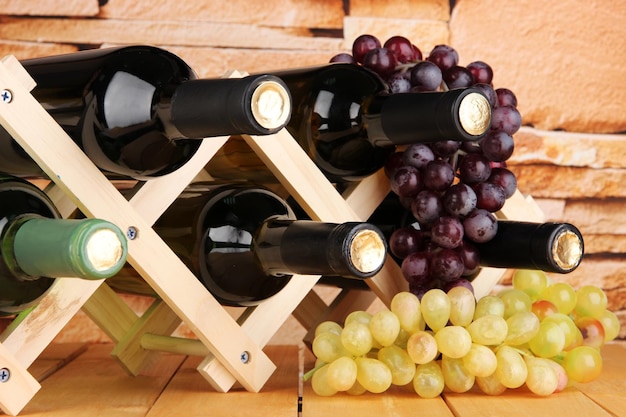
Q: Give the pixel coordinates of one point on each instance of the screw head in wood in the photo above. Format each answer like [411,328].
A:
[5,374]
[6,96]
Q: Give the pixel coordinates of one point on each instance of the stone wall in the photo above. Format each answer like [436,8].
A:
[564,60]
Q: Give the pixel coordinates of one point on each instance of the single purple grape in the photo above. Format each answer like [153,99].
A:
[505,179]
[402,48]
[470,256]
[404,241]
[426,207]
[399,82]
[506,97]
[445,148]
[438,175]
[444,56]
[418,155]
[459,200]
[447,232]
[407,181]
[343,57]
[506,119]
[446,265]
[497,146]
[461,282]
[382,61]
[489,196]
[362,45]
[480,226]
[474,168]
[481,71]
[458,77]
[426,76]
[415,268]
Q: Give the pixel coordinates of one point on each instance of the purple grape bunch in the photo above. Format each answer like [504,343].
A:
[453,189]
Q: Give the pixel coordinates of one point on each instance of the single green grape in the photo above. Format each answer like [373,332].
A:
[549,340]
[489,305]
[531,281]
[453,341]
[480,361]
[591,301]
[562,295]
[511,369]
[428,380]
[356,338]
[341,373]
[570,331]
[611,325]
[489,330]
[319,382]
[327,347]
[422,347]
[515,301]
[373,375]
[522,327]
[385,327]
[462,305]
[435,307]
[542,378]
[358,316]
[455,375]
[583,364]
[399,363]
[490,384]
[328,326]
[406,306]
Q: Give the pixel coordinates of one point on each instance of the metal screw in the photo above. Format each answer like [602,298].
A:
[5,374]
[245,357]
[6,95]
[132,233]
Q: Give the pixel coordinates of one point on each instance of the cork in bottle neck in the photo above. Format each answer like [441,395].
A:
[475,114]
[367,251]
[567,250]
[271,105]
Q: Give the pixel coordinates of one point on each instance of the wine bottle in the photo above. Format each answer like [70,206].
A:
[348,123]
[245,244]
[138,111]
[37,246]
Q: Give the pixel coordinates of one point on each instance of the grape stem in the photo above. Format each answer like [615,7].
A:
[308,375]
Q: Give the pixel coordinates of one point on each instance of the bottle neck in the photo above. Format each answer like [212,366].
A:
[551,247]
[256,105]
[34,247]
[461,115]
[351,250]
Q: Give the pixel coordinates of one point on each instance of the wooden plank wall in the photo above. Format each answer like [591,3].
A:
[564,61]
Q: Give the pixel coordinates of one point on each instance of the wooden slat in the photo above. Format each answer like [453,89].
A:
[47,8]
[203,34]
[300,13]
[185,396]
[55,357]
[18,385]
[94,384]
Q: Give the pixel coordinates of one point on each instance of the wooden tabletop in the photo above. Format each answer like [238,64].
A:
[84,380]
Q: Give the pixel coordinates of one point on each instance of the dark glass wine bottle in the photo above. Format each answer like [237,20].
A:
[37,246]
[244,243]
[348,123]
[556,247]
[138,111]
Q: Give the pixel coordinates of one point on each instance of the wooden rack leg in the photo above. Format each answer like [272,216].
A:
[17,386]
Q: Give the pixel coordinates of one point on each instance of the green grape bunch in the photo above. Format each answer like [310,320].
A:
[538,334]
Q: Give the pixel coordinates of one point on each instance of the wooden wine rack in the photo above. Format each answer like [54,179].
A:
[232,348]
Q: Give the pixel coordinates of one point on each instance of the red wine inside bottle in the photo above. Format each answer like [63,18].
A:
[245,244]
[37,246]
[138,111]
